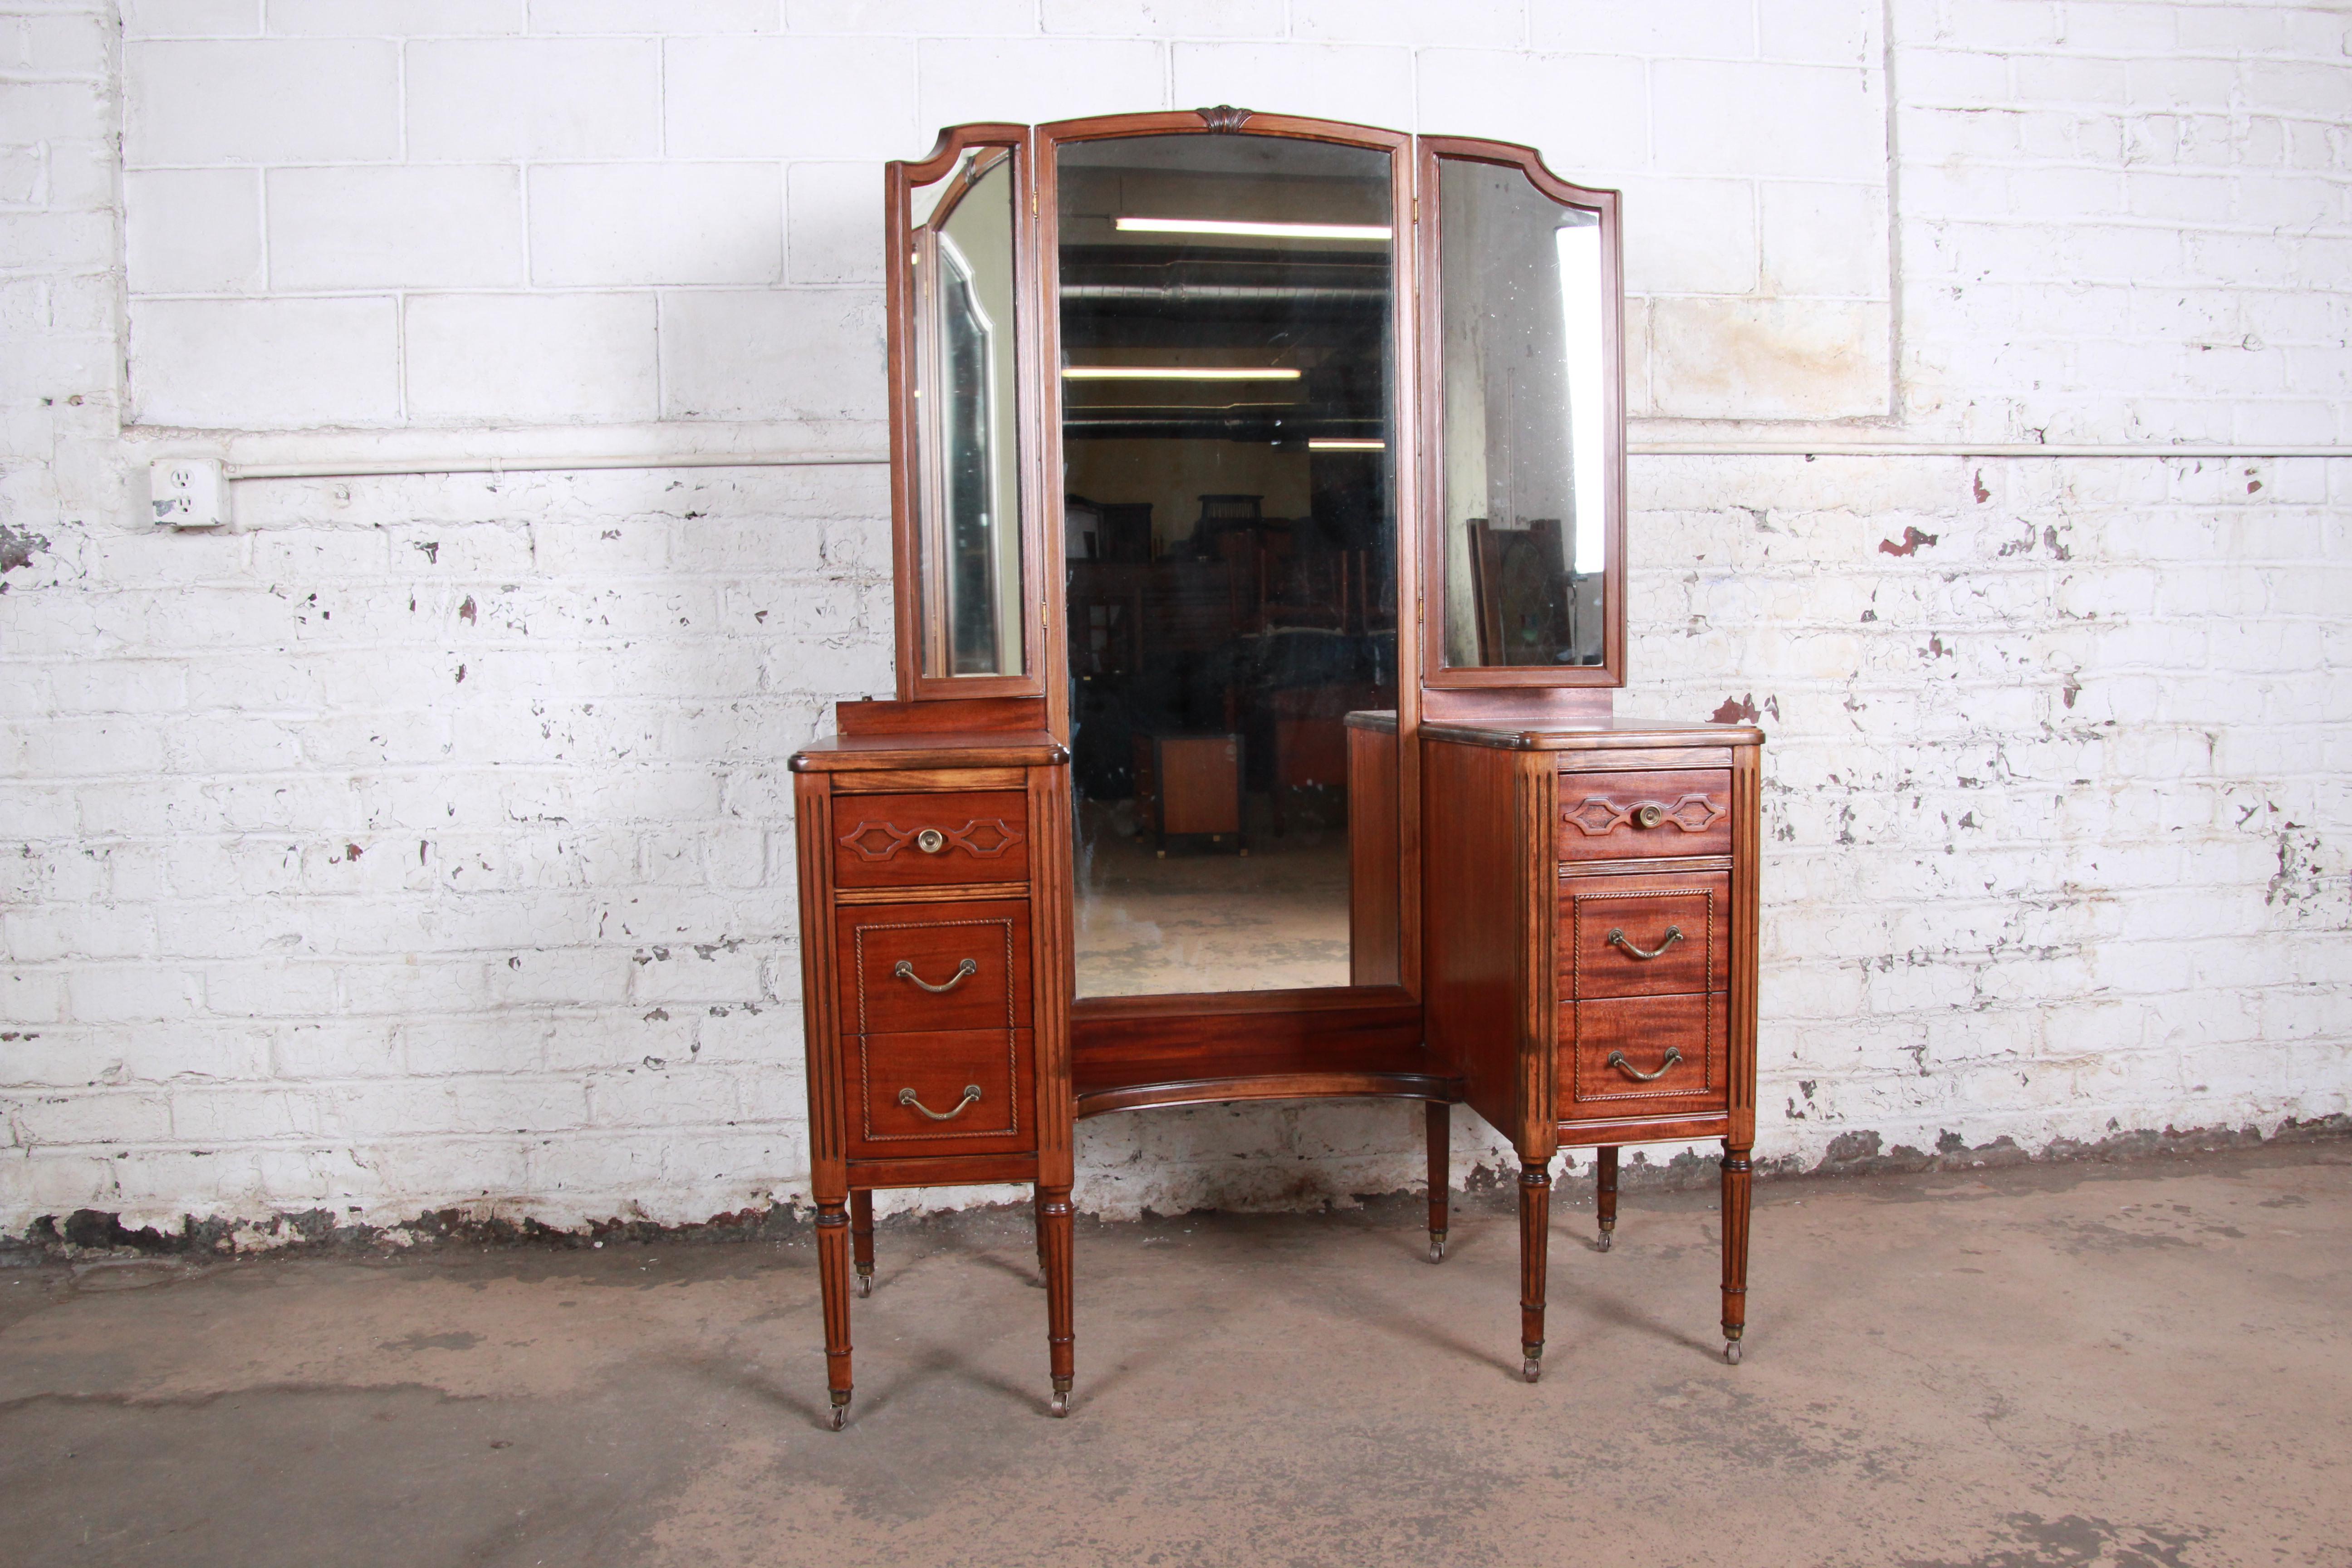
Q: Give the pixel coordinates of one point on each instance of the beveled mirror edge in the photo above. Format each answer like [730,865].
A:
[1607,204]
[908,608]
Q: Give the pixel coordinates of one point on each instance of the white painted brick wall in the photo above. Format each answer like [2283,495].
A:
[426,841]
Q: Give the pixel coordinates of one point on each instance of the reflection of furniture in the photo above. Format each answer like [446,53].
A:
[1221,515]
[1106,531]
[1310,740]
[1191,786]
[934,965]
[1519,581]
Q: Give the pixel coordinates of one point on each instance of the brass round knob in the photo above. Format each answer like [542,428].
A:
[1650,815]
[930,841]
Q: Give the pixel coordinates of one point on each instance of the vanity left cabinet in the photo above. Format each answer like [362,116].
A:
[935,970]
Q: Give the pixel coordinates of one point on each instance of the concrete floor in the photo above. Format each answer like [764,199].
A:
[2135,1366]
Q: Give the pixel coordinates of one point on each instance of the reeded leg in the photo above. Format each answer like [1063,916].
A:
[832,1278]
[861,1237]
[1605,1192]
[1053,1232]
[1441,1124]
[1535,1233]
[1736,1180]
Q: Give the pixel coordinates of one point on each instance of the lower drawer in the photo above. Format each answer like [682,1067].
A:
[951,1092]
[1644,1055]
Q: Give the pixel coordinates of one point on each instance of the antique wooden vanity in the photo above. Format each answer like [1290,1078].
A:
[1258,490]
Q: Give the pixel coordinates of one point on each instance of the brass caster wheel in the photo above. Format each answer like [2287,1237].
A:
[840,1417]
[1531,1369]
[1059,1405]
[1437,1249]
[1731,1351]
[864,1286]
[1607,1239]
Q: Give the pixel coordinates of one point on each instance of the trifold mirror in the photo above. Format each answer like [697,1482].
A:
[1252,430]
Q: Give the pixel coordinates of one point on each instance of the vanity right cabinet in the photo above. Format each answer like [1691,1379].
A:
[1590,955]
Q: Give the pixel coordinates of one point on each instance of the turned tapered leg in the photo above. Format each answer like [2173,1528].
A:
[1441,1123]
[1605,1192]
[861,1237]
[1054,1233]
[1535,1233]
[832,1278]
[1736,1180]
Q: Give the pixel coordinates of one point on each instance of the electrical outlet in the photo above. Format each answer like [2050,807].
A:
[188,492]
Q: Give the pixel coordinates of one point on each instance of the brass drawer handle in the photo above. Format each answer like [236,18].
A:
[1617,1059]
[930,841]
[1650,815]
[970,1098]
[1617,938]
[904,970]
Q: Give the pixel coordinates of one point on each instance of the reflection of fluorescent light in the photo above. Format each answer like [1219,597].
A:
[1343,443]
[1245,226]
[1174,373]
[1583,305]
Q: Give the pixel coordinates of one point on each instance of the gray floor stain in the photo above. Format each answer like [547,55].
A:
[1297,1389]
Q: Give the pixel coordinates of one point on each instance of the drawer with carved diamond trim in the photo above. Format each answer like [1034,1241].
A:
[915,840]
[1623,817]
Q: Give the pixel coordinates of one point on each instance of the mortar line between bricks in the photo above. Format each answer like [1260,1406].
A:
[350,468]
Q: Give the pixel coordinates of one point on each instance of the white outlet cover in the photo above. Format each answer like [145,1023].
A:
[188,492]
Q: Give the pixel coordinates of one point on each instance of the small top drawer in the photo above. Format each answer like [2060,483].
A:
[1628,816]
[912,840]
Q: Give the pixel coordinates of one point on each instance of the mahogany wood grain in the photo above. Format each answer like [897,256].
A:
[941,1068]
[946,893]
[1648,759]
[1055,1256]
[889,781]
[967,966]
[1679,1039]
[1590,739]
[1663,864]
[832,1278]
[1602,1132]
[1054,976]
[1373,885]
[1528,707]
[861,1236]
[959,716]
[1605,1192]
[1747,848]
[1609,923]
[1474,950]
[1736,1196]
[1601,814]
[944,1170]
[982,836]
[928,751]
[1535,1245]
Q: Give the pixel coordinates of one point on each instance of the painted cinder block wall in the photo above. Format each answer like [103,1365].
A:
[423,841]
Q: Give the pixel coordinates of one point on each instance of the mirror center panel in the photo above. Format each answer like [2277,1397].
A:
[1228,388]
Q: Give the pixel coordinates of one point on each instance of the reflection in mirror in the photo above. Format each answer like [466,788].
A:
[1522,320]
[967,495]
[1230,542]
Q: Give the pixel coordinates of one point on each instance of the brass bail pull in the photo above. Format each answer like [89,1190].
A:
[904,970]
[1617,938]
[1617,1059]
[970,1098]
